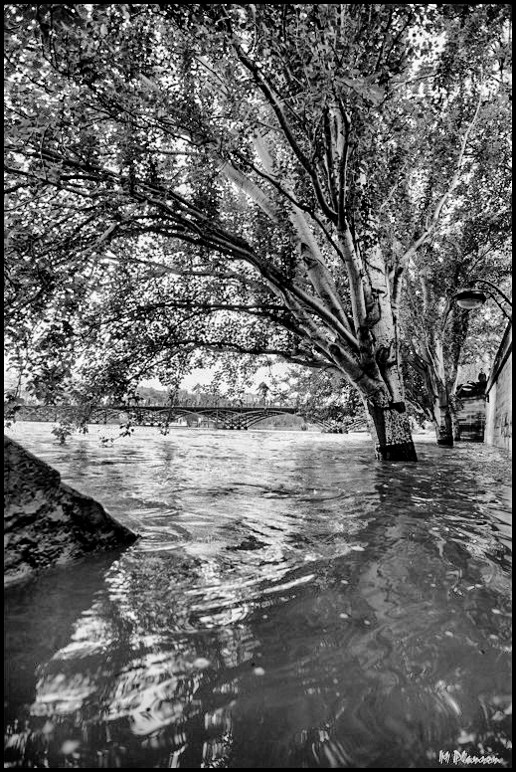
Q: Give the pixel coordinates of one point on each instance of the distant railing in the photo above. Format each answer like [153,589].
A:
[224,417]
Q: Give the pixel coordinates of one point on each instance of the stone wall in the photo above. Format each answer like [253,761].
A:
[45,521]
[498,430]
[471,419]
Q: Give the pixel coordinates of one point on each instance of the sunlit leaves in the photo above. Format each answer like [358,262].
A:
[156,153]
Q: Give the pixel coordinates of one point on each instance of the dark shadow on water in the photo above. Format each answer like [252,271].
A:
[39,614]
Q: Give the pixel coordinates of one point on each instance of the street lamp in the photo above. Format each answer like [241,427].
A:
[471,297]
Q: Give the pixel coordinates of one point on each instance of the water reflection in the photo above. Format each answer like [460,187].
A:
[288,605]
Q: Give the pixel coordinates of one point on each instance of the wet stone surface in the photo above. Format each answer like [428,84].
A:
[47,522]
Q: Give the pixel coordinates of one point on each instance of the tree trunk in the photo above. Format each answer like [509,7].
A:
[381,356]
[455,426]
[391,432]
[445,431]
[444,426]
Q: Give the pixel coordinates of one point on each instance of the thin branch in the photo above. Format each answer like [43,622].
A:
[434,217]
[273,101]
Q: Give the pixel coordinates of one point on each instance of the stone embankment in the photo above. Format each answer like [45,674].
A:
[46,522]
[499,397]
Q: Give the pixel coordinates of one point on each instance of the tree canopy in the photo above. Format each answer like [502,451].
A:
[185,179]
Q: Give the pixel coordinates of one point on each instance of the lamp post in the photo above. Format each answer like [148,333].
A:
[471,297]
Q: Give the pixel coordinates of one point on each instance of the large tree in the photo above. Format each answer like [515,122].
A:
[188,177]
[472,240]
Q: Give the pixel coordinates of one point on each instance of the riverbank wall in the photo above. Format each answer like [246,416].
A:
[498,395]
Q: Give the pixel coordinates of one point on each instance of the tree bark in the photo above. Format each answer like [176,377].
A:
[455,426]
[390,424]
[443,422]
[445,431]
[390,427]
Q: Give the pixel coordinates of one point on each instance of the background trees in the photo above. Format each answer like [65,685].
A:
[439,336]
[248,178]
[472,239]
[324,396]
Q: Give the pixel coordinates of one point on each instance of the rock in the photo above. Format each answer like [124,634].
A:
[45,521]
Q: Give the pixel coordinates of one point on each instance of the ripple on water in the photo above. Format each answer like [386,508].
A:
[290,603]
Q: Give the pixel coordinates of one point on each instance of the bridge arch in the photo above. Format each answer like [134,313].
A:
[253,420]
[236,417]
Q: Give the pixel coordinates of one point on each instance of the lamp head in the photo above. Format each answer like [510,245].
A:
[470,298]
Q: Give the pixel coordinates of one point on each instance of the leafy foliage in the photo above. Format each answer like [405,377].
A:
[325,397]
[186,180]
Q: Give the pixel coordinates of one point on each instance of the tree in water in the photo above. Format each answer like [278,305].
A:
[440,336]
[219,177]
[472,240]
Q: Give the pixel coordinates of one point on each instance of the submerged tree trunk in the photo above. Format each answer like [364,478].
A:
[436,360]
[455,425]
[445,431]
[443,423]
[391,431]
[391,428]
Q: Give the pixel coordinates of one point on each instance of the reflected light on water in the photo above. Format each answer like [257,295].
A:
[291,603]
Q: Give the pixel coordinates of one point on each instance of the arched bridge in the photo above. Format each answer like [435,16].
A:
[232,417]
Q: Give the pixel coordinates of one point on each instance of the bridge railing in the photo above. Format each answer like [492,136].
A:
[234,416]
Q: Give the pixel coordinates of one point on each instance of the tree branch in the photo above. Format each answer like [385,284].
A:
[273,101]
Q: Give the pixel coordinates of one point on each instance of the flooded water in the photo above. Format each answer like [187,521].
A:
[291,603]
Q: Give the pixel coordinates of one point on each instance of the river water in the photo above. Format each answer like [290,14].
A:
[291,603]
